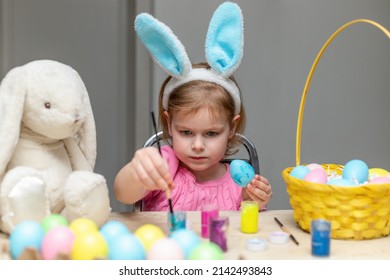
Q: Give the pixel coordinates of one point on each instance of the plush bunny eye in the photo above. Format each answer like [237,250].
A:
[47,105]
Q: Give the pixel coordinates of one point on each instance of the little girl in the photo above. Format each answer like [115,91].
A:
[200,112]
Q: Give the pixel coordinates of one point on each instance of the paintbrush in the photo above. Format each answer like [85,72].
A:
[167,192]
[283,227]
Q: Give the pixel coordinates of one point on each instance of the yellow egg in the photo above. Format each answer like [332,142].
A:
[83,225]
[148,234]
[378,172]
[89,246]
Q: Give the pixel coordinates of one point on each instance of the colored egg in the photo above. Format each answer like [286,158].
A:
[300,171]
[317,176]
[378,172]
[83,225]
[380,180]
[26,234]
[57,241]
[148,234]
[356,170]
[241,172]
[112,229]
[341,182]
[207,251]
[187,240]
[126,246]
[165,249]
[89,246]
[313,166]
[53,220]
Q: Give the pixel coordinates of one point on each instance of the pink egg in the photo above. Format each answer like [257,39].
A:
[380,180]
[58,240]
[165,249]
[317,176]
[313,166]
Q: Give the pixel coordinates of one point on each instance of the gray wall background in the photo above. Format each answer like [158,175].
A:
[347,108]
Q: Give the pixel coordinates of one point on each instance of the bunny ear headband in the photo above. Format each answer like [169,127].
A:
[223,50]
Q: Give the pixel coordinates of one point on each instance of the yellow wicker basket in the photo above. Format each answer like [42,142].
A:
[355,212]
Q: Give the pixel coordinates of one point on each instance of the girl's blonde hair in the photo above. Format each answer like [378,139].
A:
[190,97]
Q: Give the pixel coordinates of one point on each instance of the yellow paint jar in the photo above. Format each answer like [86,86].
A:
[249,216]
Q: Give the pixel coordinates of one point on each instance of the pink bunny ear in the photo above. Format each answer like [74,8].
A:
[12,96]
[173,162]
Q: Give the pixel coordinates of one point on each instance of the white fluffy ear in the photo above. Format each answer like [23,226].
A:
[12,96]
[86,136]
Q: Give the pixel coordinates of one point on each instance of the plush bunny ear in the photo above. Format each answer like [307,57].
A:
[12,96]
[163,45]
[225,39]
[86,136]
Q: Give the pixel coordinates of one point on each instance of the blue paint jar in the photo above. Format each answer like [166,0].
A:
[320,238]
[177,221]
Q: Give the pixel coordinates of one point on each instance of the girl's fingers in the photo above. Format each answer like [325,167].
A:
[262,184]
[151,169]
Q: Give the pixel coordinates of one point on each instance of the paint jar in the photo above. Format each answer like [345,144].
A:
[208,211]
[177,221]
[219,231]
[249,216]
[320,237]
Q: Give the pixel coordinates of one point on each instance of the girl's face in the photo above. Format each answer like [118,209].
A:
[200,140]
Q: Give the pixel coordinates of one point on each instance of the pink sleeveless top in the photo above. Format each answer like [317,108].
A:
[190,195]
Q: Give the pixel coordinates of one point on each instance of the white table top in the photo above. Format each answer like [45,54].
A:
[340,249]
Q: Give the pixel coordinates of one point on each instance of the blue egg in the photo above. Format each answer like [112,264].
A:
[112,229]
[126,246]
[26,234]
[187,240]
[241,172]
[356,171]
[341,182]
[300,171]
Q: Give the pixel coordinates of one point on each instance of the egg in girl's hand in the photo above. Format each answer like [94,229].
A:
[300,171]
[241,172]
[356,171]
[317,176]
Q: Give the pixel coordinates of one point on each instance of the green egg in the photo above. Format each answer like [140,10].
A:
[53,220]
[206,251]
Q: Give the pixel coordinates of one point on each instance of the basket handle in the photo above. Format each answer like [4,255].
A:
[309,77]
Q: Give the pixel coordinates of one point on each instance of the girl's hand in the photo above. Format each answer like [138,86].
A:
[150,170]
[259,190]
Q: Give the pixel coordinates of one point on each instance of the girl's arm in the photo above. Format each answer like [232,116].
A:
[147,171]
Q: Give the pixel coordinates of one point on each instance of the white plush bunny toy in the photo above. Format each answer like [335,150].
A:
[48,147]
